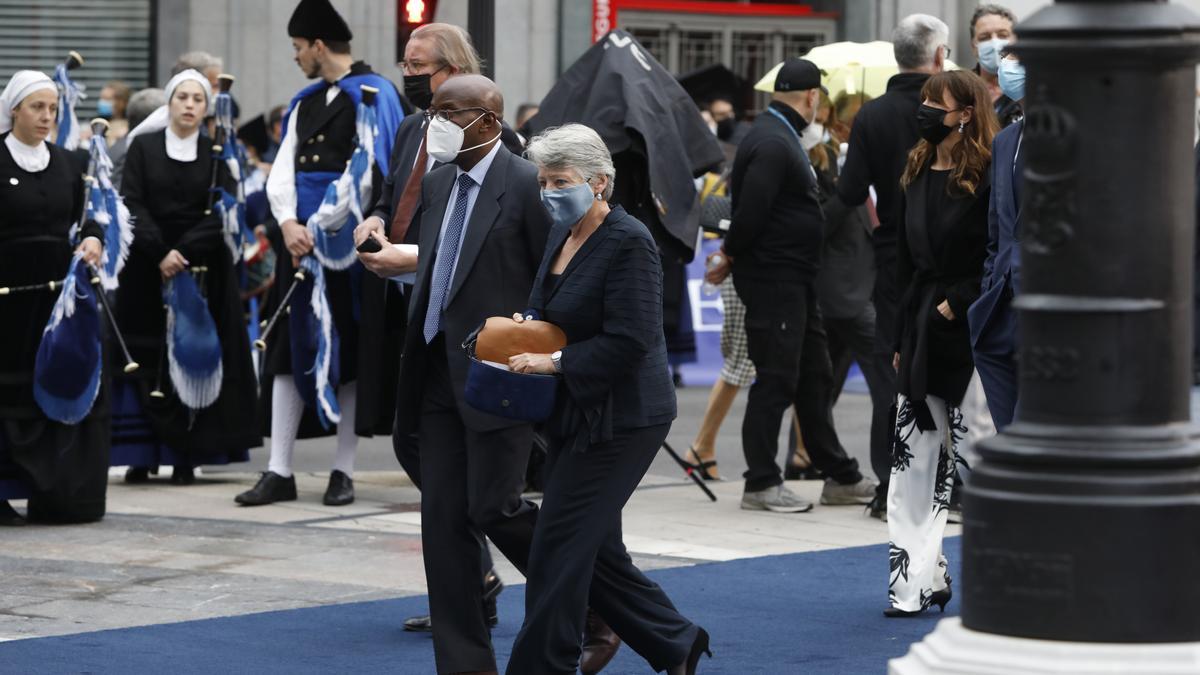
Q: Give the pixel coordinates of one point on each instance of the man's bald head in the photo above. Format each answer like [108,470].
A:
[469,91]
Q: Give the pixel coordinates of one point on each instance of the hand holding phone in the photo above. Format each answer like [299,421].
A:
[370,245]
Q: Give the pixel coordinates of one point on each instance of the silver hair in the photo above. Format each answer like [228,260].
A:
[916,40]
[198,61]
[143,103]
[573,146]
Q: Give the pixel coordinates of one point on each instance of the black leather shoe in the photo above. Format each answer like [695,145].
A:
[492,586]
[136,475]
[340,491]
[183,475]
[271,488]
[9,516]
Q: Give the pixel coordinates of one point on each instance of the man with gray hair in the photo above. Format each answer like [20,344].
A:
[139,108]
[202,62]
[884,132]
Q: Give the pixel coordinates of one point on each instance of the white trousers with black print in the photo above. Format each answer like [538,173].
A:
[919,501]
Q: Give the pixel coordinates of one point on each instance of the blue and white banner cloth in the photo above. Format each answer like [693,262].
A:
[332,226]
[315,344]
[193,346]
[231,206]
[106,207]
[66,371]
[69,95]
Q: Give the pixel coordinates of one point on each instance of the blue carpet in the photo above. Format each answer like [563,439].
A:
[803,613]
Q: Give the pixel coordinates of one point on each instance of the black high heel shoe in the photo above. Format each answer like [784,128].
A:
[700,646]
[940,598]
[700,467]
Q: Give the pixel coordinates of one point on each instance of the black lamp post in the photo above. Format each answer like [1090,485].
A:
[1082,520]
[481,24]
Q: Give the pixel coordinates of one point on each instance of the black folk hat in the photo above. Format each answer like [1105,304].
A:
[318,20]
[799,75]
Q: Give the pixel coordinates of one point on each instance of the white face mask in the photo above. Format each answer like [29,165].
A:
[444,139]
[812,136]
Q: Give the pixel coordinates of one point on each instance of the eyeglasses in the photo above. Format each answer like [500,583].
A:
[414,67]
[445,115]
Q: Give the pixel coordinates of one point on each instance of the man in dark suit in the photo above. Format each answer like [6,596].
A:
[482,230]
[992,320]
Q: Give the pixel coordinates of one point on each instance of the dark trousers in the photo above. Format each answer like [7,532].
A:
[995,359]
[787,344]
[578,558]
[408,451]
[470,484]
[852,340]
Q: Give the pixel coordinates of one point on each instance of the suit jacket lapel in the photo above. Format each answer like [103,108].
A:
[1018,174]
[538,299]
[431,226]
[917,222]
[487,208]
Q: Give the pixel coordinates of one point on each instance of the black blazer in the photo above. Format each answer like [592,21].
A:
[501,250]
[938,261]
[404,153]
[846,281]
[609,303]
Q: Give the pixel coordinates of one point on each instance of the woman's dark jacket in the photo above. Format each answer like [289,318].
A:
[608,301]
[942,247]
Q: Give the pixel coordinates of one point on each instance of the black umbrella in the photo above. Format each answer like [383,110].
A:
[715,81]
[651,126]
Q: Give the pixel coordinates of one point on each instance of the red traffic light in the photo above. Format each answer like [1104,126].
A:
[413,13]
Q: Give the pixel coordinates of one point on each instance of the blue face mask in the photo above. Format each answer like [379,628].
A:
[1012,79]
[568,205]
[104,108]
[989,54]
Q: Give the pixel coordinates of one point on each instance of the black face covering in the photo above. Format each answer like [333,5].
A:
[932,124]
[725,128]
[417,90]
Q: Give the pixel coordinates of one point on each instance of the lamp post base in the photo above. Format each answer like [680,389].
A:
[952,649]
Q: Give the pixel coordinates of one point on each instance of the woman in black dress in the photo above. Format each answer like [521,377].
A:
[601,282]
[942,245]
[61,469]
[168,172]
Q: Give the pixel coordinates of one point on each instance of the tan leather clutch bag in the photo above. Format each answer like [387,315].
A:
[501,337]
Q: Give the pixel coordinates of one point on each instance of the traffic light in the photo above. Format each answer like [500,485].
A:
[411,15]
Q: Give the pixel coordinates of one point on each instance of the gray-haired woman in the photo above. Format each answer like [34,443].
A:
[601,282]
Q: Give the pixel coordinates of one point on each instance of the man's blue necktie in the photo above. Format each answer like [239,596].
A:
[447,254]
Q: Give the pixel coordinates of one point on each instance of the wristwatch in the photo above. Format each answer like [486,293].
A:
[556,359]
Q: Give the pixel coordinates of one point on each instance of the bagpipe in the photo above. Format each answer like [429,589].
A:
[191,345]
[315,344]
[69,361]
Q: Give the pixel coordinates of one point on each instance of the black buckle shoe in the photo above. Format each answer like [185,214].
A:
[340,491]
[271,488]
[183,475]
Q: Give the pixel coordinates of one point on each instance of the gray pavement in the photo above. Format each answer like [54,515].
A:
[166,553]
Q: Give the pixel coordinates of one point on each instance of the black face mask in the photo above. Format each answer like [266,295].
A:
[932,124]
[418,91]
[725,128]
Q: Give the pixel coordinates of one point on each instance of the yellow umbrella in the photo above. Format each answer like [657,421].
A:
[850,67]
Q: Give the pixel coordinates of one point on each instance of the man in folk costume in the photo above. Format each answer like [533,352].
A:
[355,387]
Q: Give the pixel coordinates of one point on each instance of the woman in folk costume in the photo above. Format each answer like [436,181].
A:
[942,245]
[333,373]
[193,400]
[61,468]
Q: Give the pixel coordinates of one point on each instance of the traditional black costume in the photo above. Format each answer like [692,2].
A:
[61,468]
[166,187]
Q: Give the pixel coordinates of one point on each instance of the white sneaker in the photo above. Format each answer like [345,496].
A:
[776,499]
[836,494]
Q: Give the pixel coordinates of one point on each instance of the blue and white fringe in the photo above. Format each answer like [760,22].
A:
[332,226]
[328,410]
[69,95]
[106,207]
[193,345]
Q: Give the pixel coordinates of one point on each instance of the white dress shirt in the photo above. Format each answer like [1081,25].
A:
[477,174]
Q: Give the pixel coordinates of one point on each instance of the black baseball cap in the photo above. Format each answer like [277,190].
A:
[799,75]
